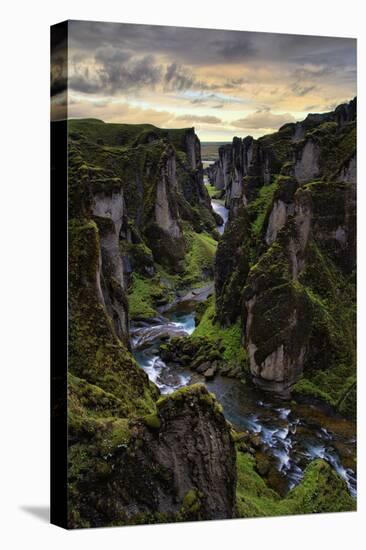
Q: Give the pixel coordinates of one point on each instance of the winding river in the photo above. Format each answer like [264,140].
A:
[292,433]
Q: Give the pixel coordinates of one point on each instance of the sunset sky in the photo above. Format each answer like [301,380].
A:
[224,83]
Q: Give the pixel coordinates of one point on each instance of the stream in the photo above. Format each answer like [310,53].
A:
[293,433]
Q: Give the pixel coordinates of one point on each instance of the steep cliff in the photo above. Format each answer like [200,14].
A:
[135,199]
[292,197]
[175,464]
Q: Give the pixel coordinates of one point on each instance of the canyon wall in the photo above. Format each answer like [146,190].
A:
[136,197]
[287,259]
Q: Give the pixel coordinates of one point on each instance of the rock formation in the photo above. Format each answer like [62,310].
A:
[292,211]
[141,228]
[135,197]
[175,464]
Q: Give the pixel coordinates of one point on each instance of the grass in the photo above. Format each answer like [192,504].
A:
[142,295]
[211,189]
[201,256]
[229,337]
[260,206]
[321,490]
[120,136]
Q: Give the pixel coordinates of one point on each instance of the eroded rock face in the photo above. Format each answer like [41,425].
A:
[348,172]
[277,220]
[276,343]
[193,149]
[196,447]
[166,217]
[110,212]
[278,312]
[164,231]
[178,464]
[297,189]
[307,163]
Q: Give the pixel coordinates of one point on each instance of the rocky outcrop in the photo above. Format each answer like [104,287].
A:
[348,172]
[177,464]
[214,175]
[278,311]
[292,209]
[192,148]
[164,233]
[306,167]
[134,458]
[296,149]
[109,211]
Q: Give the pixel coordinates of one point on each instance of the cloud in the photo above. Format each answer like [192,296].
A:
[197,118]
[177,78]
[216,98]
[263,119]
[197,46]
[172,69]
[110,54]
[116,111]
[114,70]
[236,46]
[301,90]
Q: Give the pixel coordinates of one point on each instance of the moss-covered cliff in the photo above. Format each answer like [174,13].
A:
[166,223]
[286,264]
[139,215]
[141,227]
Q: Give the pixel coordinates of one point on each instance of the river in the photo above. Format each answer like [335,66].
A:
[292,433]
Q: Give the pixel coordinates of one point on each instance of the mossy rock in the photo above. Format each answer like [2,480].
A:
[152,421]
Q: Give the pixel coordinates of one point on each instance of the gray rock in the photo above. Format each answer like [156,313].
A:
[210,373]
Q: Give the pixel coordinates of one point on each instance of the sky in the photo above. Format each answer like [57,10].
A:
[224,83]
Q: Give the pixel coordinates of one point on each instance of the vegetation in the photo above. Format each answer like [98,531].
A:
[142,296]
[259,207]
[141,230]
[228,339]
[321,490]
[212,191]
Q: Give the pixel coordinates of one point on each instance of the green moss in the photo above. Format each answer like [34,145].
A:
[253,497]
[278,148]
[337,146]
[331,361]
[191,505]
[212,191]
[141,258]
[83,396]
[259,207]
[190,498]
[321,490]
[272,324]
[310,389]
[231,268]
[95,353]
[228,339]
[200,257]
[116,135]
[182,396]
[142,296]
[152,421]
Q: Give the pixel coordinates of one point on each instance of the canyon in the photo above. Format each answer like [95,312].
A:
[212,369]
